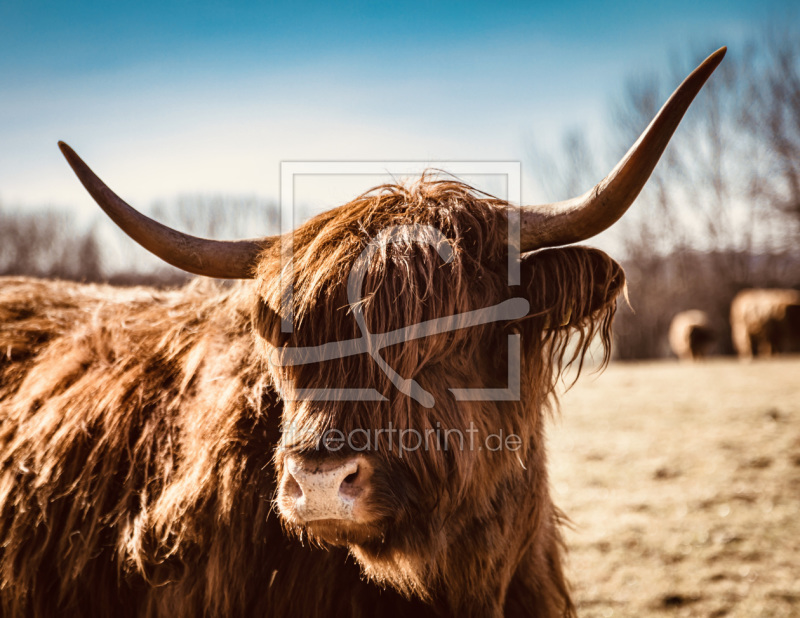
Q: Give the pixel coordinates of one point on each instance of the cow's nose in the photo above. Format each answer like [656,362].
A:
[328,489]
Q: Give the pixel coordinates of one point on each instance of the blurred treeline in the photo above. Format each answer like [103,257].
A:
[45,244]
[722,210]
[48,243]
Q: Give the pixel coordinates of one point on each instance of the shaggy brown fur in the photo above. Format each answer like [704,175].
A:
[138,457]
[765,322]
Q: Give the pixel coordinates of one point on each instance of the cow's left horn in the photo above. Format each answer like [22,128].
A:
[234,259]
[574,220]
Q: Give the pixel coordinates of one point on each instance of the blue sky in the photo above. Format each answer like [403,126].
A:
[163,98]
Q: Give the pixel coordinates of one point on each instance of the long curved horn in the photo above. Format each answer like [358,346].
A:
[579,218]
[213,258]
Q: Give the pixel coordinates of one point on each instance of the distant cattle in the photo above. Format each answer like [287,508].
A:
[187,453]
[765,322]
[691,335]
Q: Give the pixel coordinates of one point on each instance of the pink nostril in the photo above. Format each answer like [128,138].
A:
[353,484]
[291,488]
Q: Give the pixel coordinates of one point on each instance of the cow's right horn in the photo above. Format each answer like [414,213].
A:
[574,220]
[231,259]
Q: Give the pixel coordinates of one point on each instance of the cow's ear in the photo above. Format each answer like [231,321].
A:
[570,287]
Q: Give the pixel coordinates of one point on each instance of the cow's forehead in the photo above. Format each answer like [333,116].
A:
[428,251]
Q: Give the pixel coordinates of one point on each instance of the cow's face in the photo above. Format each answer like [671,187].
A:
[397,452]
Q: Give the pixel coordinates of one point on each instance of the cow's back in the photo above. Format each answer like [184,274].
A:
[90,408]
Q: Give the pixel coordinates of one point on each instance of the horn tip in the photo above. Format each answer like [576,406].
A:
[708,66]
[717,56]
[65,149]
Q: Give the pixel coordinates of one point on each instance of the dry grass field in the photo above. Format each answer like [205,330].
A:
[683,486]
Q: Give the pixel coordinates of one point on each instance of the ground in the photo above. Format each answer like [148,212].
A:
[683,485]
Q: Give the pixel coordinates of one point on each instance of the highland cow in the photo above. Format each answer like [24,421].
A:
[765,322]
[691,335]
[162,456]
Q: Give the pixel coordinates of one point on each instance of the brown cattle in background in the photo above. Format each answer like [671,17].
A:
[691,335]
[158,456]
[765,322]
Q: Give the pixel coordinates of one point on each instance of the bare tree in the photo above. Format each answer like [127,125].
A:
[46,243]
[220,216]
[774,116]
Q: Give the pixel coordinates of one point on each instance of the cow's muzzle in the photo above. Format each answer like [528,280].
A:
[328,489]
